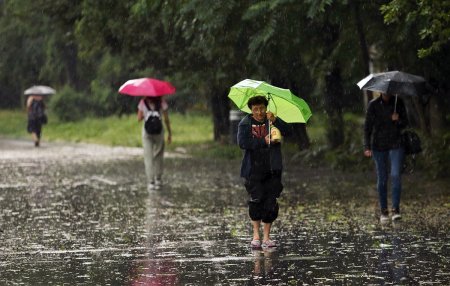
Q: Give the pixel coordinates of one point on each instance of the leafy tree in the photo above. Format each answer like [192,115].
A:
[317,48]
[40,34]
[21,52]
[420,30]
[214,40]
[430,18]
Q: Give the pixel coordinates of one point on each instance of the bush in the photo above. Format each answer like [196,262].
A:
[348,156]
[70,105]
[435,155]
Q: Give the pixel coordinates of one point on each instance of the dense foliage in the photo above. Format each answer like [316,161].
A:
[318,48]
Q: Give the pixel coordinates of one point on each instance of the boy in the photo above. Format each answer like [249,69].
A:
[261,167]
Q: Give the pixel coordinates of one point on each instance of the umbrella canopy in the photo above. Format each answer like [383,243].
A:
[147,87]
[282,101]
[39,90]
[394,83]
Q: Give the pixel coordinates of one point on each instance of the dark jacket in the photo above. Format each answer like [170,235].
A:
[247,142]
[380,132]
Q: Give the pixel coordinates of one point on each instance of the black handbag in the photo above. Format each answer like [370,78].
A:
[44,119]
[411,142]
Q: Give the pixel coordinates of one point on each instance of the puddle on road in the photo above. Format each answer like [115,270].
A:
[93,223]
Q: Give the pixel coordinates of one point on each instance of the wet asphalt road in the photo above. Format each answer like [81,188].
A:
[81,215]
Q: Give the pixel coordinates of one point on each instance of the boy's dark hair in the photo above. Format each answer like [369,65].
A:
[259,99]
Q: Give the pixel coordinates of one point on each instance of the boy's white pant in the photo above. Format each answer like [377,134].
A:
[153,155]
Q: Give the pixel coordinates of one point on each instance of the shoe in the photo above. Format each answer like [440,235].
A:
[256,243]
[396,214]
[268,243]
[36,144]
[384,217]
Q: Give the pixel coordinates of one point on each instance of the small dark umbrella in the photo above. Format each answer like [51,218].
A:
[395,83]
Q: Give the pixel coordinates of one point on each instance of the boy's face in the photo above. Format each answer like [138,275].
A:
[259,112]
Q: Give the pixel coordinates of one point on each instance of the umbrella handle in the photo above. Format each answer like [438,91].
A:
[270,131]
[395,104]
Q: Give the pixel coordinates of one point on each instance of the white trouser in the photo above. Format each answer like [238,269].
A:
[153,155]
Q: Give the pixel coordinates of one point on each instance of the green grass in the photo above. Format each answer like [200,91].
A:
[13,123]
[192,131]
[124,131]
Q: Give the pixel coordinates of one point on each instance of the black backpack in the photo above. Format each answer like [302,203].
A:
[153,123]
[411,142]
[38,111]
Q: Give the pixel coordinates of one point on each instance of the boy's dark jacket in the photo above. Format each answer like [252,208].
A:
[247,142]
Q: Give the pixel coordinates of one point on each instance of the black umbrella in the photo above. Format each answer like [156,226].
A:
[394,83]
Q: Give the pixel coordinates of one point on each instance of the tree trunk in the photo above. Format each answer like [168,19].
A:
[333,107]
[300,136]
[361,36]
[435,115]
[220,110]
[333,89]
[71,75]
[419,108]
[368,95]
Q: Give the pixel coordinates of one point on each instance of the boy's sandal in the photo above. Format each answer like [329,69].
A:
[256,243]
[269,243]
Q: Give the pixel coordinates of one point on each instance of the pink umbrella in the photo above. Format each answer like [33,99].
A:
[147,87]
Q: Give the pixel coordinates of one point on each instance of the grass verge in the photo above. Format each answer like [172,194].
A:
[192,131]
[187,129]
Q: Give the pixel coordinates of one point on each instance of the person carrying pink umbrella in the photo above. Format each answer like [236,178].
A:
[152,109]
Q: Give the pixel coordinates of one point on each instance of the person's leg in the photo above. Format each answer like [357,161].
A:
[35,139]
[38,132]
[158,157]
[148,156]
[396,157]
[268,220]
[253,187]
[33,129]
[266,231]
[380,158]
[256,225]
[272,190]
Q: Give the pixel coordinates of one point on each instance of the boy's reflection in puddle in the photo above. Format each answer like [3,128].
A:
[265,261]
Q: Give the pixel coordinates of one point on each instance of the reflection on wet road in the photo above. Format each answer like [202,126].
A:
[92,222]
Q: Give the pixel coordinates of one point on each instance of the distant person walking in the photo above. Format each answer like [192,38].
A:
[36,117]
[385,118]
[153,110]
[261,167]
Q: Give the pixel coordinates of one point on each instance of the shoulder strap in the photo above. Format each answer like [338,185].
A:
[146,105]
[158,105]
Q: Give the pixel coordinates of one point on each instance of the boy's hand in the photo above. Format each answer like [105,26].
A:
[271,116]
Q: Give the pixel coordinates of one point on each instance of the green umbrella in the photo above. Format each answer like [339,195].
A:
[282,102]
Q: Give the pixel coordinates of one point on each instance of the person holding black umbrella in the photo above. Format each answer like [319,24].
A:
[385,119]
